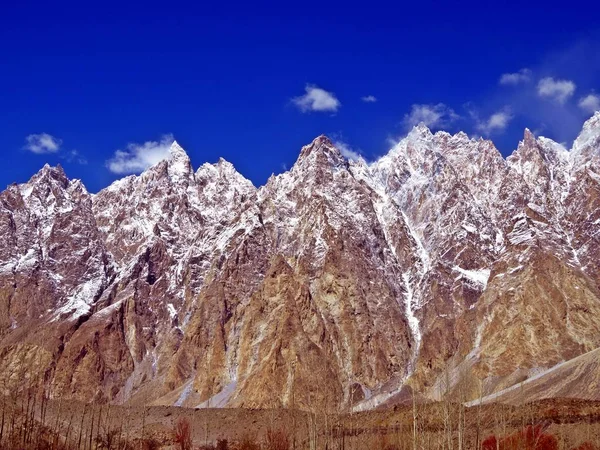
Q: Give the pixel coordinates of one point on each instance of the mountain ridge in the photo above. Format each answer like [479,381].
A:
[337,283]
[458,136]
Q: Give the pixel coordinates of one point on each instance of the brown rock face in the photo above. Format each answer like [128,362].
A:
[54,268]
[334,286]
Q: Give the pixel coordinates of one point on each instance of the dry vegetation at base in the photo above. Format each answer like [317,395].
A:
[31,422]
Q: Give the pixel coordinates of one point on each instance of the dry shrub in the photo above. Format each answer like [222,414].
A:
[384,443]
[586,446]
[150,444]
[277,440]
[530,438]
[247,443]
[490,443]
[182,434]
[222,444]
[128,445]
[107,440]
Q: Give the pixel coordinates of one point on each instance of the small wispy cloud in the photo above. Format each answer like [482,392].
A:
[74,156]
[558,90]
[42,143]
[138,157]
[433,116]
[590,103]
[317,99]
[497,122]
[369,99]
[347,151]
[522,76]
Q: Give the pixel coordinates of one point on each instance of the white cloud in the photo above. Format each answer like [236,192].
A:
[434,116]
[138,157]
[590,103]
[557,90]
[522,76]
[317,99]
[496,122]
[347,151]
[369,99]
[42,143]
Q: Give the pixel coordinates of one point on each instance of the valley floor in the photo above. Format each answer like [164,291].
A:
[560,423]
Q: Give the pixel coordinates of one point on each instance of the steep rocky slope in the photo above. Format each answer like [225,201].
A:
[576,378]
[336,285]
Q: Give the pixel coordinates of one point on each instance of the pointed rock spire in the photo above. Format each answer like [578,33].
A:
[321,150]
[544,147]
[179,164]
[529,138]
[177,150]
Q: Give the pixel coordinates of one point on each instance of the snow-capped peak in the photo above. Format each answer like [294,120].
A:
[323,150]
[180,165]
[554,147]
[592,122]
[225,165]
[225,171]
[48,173]
[460,138]
[541,146]
[176,148]
[590,135]
[419,132]
[415,150]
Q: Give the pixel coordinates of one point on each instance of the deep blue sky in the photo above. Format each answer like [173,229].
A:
[221,78]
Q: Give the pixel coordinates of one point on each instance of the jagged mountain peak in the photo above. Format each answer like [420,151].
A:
[179,165]
[228,169]
[592,122]
[557,149]
[175,166]
[176,149]
[414,154]
[76,185]
[527,144]
[177,154]
[421,130]
[323,150]
[460,137]
[220,184]
[587,143]
[462,143]
[51,173]
[321,140]
[532,152]
[316,166]
[222,170]
[546,145]
[529,138]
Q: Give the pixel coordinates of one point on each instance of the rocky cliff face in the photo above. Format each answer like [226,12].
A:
[336,285]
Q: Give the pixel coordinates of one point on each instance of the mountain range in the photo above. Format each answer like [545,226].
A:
[441,269]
